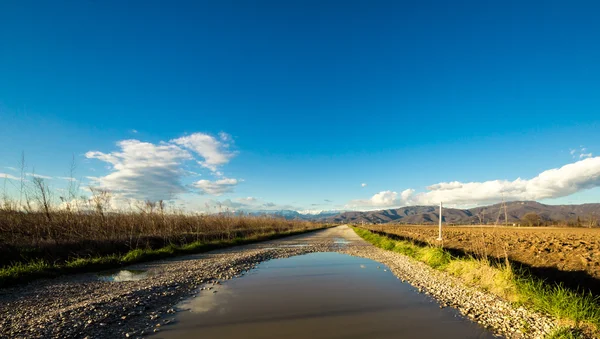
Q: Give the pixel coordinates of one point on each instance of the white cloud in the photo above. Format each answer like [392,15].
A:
[363,185]
[214,151]
[218,187]
[406,194]
[553,183]
[385,198]
[143,170]
[225,137]
[580,153]
[381,199]
[228,203]
[111,202]
[245,205]
[313,211]
[10,168]
[250,204]
[38,176]
[8,176]
[67,178]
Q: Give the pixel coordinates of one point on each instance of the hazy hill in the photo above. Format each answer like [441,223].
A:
[295,215]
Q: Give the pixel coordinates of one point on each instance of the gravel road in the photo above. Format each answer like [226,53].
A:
[83,306]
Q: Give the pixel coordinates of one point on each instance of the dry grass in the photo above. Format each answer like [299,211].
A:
[43,235]
[38,225]
[498,280]
[25,236]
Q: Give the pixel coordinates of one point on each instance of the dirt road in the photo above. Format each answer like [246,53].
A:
[87,305]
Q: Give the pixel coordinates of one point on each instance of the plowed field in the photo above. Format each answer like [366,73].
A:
[565,249]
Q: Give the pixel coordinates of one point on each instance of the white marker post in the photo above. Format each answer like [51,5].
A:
[440,234]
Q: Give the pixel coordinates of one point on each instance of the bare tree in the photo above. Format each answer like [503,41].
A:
[42,195]
[498,217]
[73,188]
[150,206]
[532,218]
[100,199]
[22,167]
[161,207]
[592,220]
[481,216]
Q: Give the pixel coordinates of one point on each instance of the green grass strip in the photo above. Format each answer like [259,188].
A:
[25,272]
[579,312]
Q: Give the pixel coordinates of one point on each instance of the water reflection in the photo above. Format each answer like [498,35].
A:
[318,295]
[123,275]
[341,241]
[209,300]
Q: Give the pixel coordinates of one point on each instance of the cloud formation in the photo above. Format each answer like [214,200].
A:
[382,199]
[217,187]
[580,153]
[553,183]
[145,170]
[142,169]
[214,151]
[8,176]
[34,175]
[67,178]
[385,198]
[38,176]
[363,185]
[250,204]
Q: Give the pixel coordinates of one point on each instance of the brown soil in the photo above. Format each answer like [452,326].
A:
[557,251]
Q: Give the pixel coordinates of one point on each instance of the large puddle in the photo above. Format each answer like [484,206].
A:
[318,295]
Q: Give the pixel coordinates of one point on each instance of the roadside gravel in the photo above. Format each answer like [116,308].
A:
[489,311]
[82,306]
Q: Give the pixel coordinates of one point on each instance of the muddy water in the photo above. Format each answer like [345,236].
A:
[319,295]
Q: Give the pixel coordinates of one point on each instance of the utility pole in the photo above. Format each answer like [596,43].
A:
[440,233]
[505,213]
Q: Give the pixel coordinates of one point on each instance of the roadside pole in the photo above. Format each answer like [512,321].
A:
[440,233]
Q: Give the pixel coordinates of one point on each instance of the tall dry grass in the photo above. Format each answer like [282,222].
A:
[41,226]
[29,235]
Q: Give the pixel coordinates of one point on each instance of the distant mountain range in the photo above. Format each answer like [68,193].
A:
[515,212]
[290,214]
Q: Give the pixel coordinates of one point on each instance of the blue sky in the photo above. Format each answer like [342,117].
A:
[296,104]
